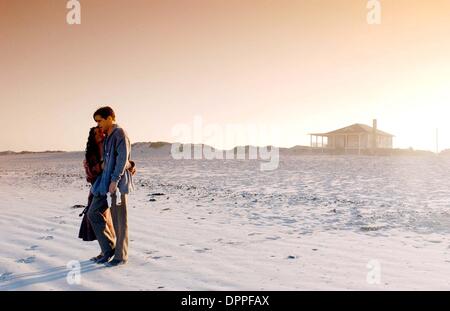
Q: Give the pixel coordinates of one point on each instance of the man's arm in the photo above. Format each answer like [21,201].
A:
[123,151]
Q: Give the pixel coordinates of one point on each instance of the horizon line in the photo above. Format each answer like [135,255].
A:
[194,144]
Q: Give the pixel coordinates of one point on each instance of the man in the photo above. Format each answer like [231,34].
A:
[115,176]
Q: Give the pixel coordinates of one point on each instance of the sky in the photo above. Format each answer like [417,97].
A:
[293,66]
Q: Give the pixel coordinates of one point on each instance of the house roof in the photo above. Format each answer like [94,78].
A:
[356,128]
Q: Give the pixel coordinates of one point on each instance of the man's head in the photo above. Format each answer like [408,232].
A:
[105,118]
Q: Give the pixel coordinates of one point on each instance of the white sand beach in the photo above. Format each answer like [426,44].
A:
[316,223]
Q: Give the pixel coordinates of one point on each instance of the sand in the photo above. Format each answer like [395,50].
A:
[316,223]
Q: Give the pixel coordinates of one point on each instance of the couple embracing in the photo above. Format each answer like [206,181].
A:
[109,169]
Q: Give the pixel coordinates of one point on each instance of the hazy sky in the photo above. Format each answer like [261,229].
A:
[300,65]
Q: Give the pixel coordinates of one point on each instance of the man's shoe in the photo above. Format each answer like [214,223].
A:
[96,258]
[115,262]
[107,257]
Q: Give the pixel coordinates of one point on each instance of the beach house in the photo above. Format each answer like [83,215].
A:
[356,138]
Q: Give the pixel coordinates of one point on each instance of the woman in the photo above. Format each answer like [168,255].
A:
[93,167]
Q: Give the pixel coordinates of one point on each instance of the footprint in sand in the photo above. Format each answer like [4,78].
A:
[233,243]
[26,260]
[254,233]
[150,252]
[5,276]
[32,248]
[273,238]
[48,237]
[202,250]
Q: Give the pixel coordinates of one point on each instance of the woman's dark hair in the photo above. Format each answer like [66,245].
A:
[105,112]
[92,154]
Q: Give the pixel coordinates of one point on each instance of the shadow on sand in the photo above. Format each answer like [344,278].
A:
[16,281]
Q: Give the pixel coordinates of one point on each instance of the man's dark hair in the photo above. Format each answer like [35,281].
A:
[105,112]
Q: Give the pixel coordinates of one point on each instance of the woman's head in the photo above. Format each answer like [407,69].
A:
[95,138]
[99,136]
[96,135]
